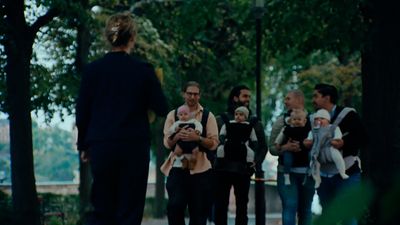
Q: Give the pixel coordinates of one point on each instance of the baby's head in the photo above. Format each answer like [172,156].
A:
[322,117]
[241,114]
[184,113]
[298,118]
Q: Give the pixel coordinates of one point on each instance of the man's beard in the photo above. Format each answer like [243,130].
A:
[246,104]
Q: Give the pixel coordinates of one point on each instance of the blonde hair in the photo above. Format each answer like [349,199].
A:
[120,29]
[298,94]
[298,113]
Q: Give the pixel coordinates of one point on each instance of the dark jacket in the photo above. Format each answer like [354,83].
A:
[116,93]
[354,134]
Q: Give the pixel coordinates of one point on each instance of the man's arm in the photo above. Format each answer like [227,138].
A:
[253,143]
[169,121]
[211,141]
[354,134]
[83,106]
[276,128]
[222,135]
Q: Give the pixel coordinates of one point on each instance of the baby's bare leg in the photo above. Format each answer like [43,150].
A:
[339,162]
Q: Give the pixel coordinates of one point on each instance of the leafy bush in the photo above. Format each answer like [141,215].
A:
[5,209]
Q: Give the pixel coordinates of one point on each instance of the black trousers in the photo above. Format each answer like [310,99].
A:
[189,191]
[120,172]
[241,186]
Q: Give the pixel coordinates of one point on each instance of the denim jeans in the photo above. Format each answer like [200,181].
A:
[287,161]
[296,198]
[331,186]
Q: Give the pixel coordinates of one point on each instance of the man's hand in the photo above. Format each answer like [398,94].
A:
[84,156]
[179,134]
[291,146]
[189,135]
[337,143]
[307,143]
[195,151]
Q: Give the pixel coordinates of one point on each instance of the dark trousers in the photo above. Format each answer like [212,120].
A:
[332,187]
[241,186]
[120,172]
[189,191]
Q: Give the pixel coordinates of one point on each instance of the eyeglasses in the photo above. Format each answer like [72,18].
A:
[194,94]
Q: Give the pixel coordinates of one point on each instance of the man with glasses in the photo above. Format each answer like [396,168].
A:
[190,188]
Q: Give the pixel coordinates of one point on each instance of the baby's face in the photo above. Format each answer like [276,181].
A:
[321,121]
[184,116]
[298,121]
[240,117]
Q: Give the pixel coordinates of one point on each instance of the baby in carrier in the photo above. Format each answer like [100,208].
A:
[296,130]
[321,138]
[188,148]
[235,136]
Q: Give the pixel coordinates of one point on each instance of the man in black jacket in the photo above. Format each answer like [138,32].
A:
[325,96]
[237,173]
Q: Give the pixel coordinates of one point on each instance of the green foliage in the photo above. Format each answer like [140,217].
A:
[347,79]
[5,209]
[389,201]
[309,42]
[2,75]
[68,204]
[5,162]
[55,156]
[212,44]
[306,26]
[349,204]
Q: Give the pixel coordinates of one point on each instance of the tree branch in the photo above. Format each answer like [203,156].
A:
[43,20]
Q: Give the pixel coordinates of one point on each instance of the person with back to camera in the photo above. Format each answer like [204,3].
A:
[322,137]
[115,95]
[186,150]
[297,197]
[297,131]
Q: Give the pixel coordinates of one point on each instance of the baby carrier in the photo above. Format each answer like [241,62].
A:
[237,134]
[322,136]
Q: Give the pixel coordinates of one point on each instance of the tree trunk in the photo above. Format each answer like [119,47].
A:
[381,110]
[18,41]
[25,202]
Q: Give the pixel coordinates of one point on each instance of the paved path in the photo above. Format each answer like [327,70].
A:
[272,219]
